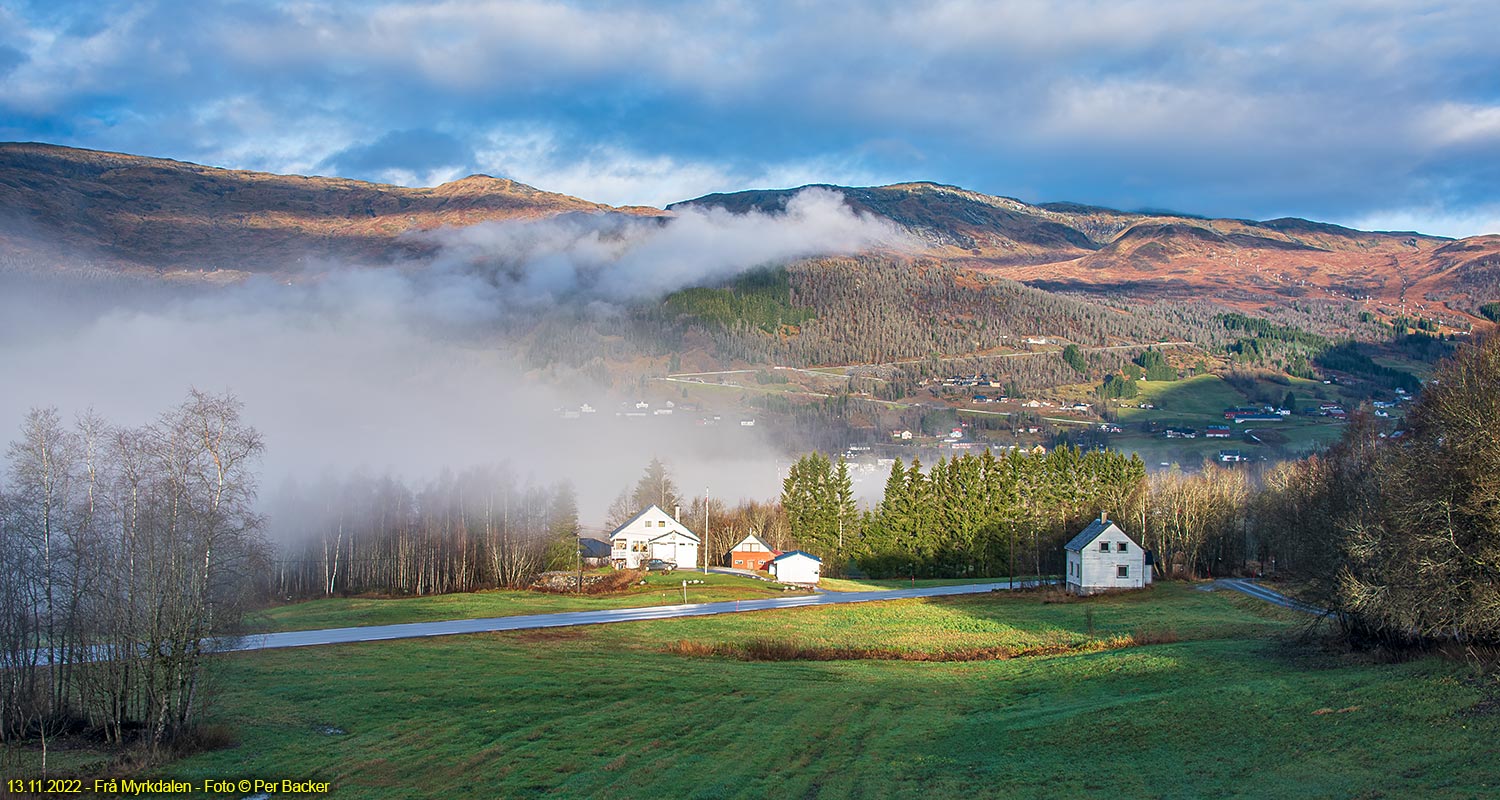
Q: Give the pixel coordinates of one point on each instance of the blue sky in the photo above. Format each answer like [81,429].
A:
[1376,114]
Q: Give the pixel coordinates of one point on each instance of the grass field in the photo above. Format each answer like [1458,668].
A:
[868,584]
[1200,401]
[959,626]
[660,589]
[1196,398]
[1237,708]
[1296,435]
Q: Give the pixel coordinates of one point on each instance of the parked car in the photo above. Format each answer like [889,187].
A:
[660,565]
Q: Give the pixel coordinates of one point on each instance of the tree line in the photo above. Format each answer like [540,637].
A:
[1400,536]
[481,528]
[970,515]
[125,552]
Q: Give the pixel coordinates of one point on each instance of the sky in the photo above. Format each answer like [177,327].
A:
[1374,114]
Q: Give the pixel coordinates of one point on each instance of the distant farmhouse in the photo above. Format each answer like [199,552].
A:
[653,533]
[594,552]
[796,567]
[1102,558]
[752,552]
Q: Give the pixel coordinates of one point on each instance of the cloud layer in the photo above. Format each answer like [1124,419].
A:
[408,370]
[613,258]
[1340,110]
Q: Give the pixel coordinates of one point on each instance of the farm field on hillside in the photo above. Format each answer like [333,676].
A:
[611,712]
[1198,397]
[1200,401]
[1293,436]
[660,589]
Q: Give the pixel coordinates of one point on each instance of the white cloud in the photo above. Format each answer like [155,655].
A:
[59,65]
[1434,220]
[619,177]
[1188,103]
[611,258]
[1448,124]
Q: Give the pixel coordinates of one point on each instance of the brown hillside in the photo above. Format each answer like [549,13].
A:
[1074,247]
[136,213]
[110,213]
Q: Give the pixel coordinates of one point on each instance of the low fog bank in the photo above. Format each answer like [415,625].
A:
[351,379]
[405,370]
[611,258]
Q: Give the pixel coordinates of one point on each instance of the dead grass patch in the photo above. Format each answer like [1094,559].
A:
[781,650]
[1154,635]
[561,634]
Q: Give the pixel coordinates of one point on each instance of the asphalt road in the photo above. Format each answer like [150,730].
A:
[1269,595]
[418,630]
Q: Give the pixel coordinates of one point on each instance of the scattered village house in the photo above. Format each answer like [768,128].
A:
[595,553]
[653,533]
[752,552]
[1103,557]
[796,567]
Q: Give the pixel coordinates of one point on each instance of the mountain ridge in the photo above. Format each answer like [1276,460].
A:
[145,214]
[154,216]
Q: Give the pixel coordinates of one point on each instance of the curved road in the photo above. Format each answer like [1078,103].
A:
[417,630]
[1259,592]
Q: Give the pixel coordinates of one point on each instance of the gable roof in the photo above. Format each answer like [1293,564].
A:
[756,539]
[627,523]
[1092,532]
[684,533]
[593,548]
[791,553]
[684,529]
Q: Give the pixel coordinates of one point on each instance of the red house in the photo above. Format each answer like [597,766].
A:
[752,552]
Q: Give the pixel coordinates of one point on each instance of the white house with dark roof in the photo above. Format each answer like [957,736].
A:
[796,567]
[1102,558]
[653,533]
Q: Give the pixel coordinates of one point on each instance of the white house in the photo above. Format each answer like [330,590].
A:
[1102,557]
[796,567]
[653,533]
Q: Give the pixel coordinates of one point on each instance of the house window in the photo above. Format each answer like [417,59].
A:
[1122,571]
[1104,547]
[1121,547]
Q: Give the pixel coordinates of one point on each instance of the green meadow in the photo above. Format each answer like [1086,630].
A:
[874,584]
[1237,699]
[659,589]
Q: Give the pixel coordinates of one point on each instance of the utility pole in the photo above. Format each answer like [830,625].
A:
[705,530]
